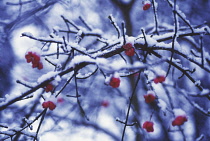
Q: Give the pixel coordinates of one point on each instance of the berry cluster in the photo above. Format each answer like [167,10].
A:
[179,120]
[34,58]
[49,104]
[129,49]
[180,115]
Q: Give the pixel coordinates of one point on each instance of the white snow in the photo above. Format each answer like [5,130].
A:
[110,66]
[138,65]
[151,92]
[146,2]
[51,98]
[162,104]
[47,76]
[81,58]
[162,44]
[156,5]
[205,91]
[116,75]
[76,46]
[150,41]
[9,97]
[179,112]
[177,45]
[140,41]
[198,83]
[165,35]
[107,79]
[130,40]
[159,71]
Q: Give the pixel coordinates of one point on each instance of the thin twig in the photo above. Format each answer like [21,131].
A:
[129,107]
[123,31]
[83,21]
[175,35]
[77,96]
[42,119]
[155,15]
[115,25]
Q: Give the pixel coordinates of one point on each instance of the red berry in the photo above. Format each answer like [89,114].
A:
[49,87]
[34,65]
[40,66]
[146,6]
[159,79]
[114,82]
[129,49]
[148,125]
[130,52]
[179,120]
[60,100]
[45,104]
[105,103]
[127,46]
[149,98]
[52,105]
[29,57]
[34,58]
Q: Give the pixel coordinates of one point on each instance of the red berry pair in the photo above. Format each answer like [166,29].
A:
[179,120]
[34,58]
[159,79]
[129,49]
[114,82]
[148,126]
[49,104]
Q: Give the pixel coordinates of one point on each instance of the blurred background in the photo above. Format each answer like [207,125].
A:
[101,103]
